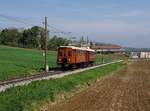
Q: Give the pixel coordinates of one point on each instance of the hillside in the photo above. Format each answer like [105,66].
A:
[15,62]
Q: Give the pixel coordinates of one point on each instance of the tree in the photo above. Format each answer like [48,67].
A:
[55,42]
[10,36]
[32,38]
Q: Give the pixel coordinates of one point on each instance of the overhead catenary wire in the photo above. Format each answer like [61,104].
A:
[51,29]
[58,31]
[16,19]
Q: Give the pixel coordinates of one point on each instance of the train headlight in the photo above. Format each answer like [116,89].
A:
[59,59]
[69,59]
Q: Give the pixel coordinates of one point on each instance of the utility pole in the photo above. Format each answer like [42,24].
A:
[46,37]
[87,40]
[102,57]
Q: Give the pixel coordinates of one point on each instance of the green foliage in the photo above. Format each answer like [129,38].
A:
[55,42]
[128,50]
[10,37]
[16,62]
[33,37]
[103,60]
[22,98]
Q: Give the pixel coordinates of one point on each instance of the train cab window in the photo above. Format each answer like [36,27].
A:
[65,54]
[60,53]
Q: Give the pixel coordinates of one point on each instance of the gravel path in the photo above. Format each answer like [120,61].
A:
[128,90]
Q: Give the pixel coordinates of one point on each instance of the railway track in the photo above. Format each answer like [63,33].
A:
[27,79]
[57,73]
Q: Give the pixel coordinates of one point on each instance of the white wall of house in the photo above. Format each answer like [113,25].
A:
[145,55]
[135,55]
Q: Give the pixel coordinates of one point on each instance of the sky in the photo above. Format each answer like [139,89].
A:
[123,22]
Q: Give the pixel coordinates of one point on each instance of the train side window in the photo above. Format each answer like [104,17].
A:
[69,53]
[79,53]
[74,52]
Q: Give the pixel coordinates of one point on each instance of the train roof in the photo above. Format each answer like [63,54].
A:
[78,48]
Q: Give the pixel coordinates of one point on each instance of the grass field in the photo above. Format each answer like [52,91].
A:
[40,92]
[15,62]
[109,57]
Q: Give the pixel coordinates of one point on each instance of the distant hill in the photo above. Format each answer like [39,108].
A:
[106,46]
[137,49]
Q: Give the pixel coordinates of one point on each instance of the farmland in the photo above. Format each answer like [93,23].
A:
[32,96]
[126,90]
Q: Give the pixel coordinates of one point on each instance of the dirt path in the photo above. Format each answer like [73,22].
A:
[128,90]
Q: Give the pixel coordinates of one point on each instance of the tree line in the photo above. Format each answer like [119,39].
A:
[30,38]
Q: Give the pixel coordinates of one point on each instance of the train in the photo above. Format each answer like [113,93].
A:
[71,56]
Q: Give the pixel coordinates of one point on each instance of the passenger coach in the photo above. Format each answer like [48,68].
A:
[69,56]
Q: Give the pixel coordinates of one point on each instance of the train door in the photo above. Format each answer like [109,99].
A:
[73,56]
[87,56]
[59,56]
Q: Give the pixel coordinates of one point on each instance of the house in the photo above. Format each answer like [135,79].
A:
[145,55]
[142,55]
[109,48]
[135,55]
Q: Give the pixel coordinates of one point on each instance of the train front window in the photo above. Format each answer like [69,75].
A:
[65,54]
[59,52]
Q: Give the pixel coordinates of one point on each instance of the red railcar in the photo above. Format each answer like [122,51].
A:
[75,56]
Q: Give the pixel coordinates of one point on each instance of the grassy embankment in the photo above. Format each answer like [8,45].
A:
[16,62]
[40,92]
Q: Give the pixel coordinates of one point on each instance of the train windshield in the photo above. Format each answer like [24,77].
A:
[64,52]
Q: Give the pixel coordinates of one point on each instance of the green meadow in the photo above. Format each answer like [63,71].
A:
[16,62]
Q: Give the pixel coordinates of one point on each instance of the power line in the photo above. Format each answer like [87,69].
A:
[11,18]
[53,29]
[58,31]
